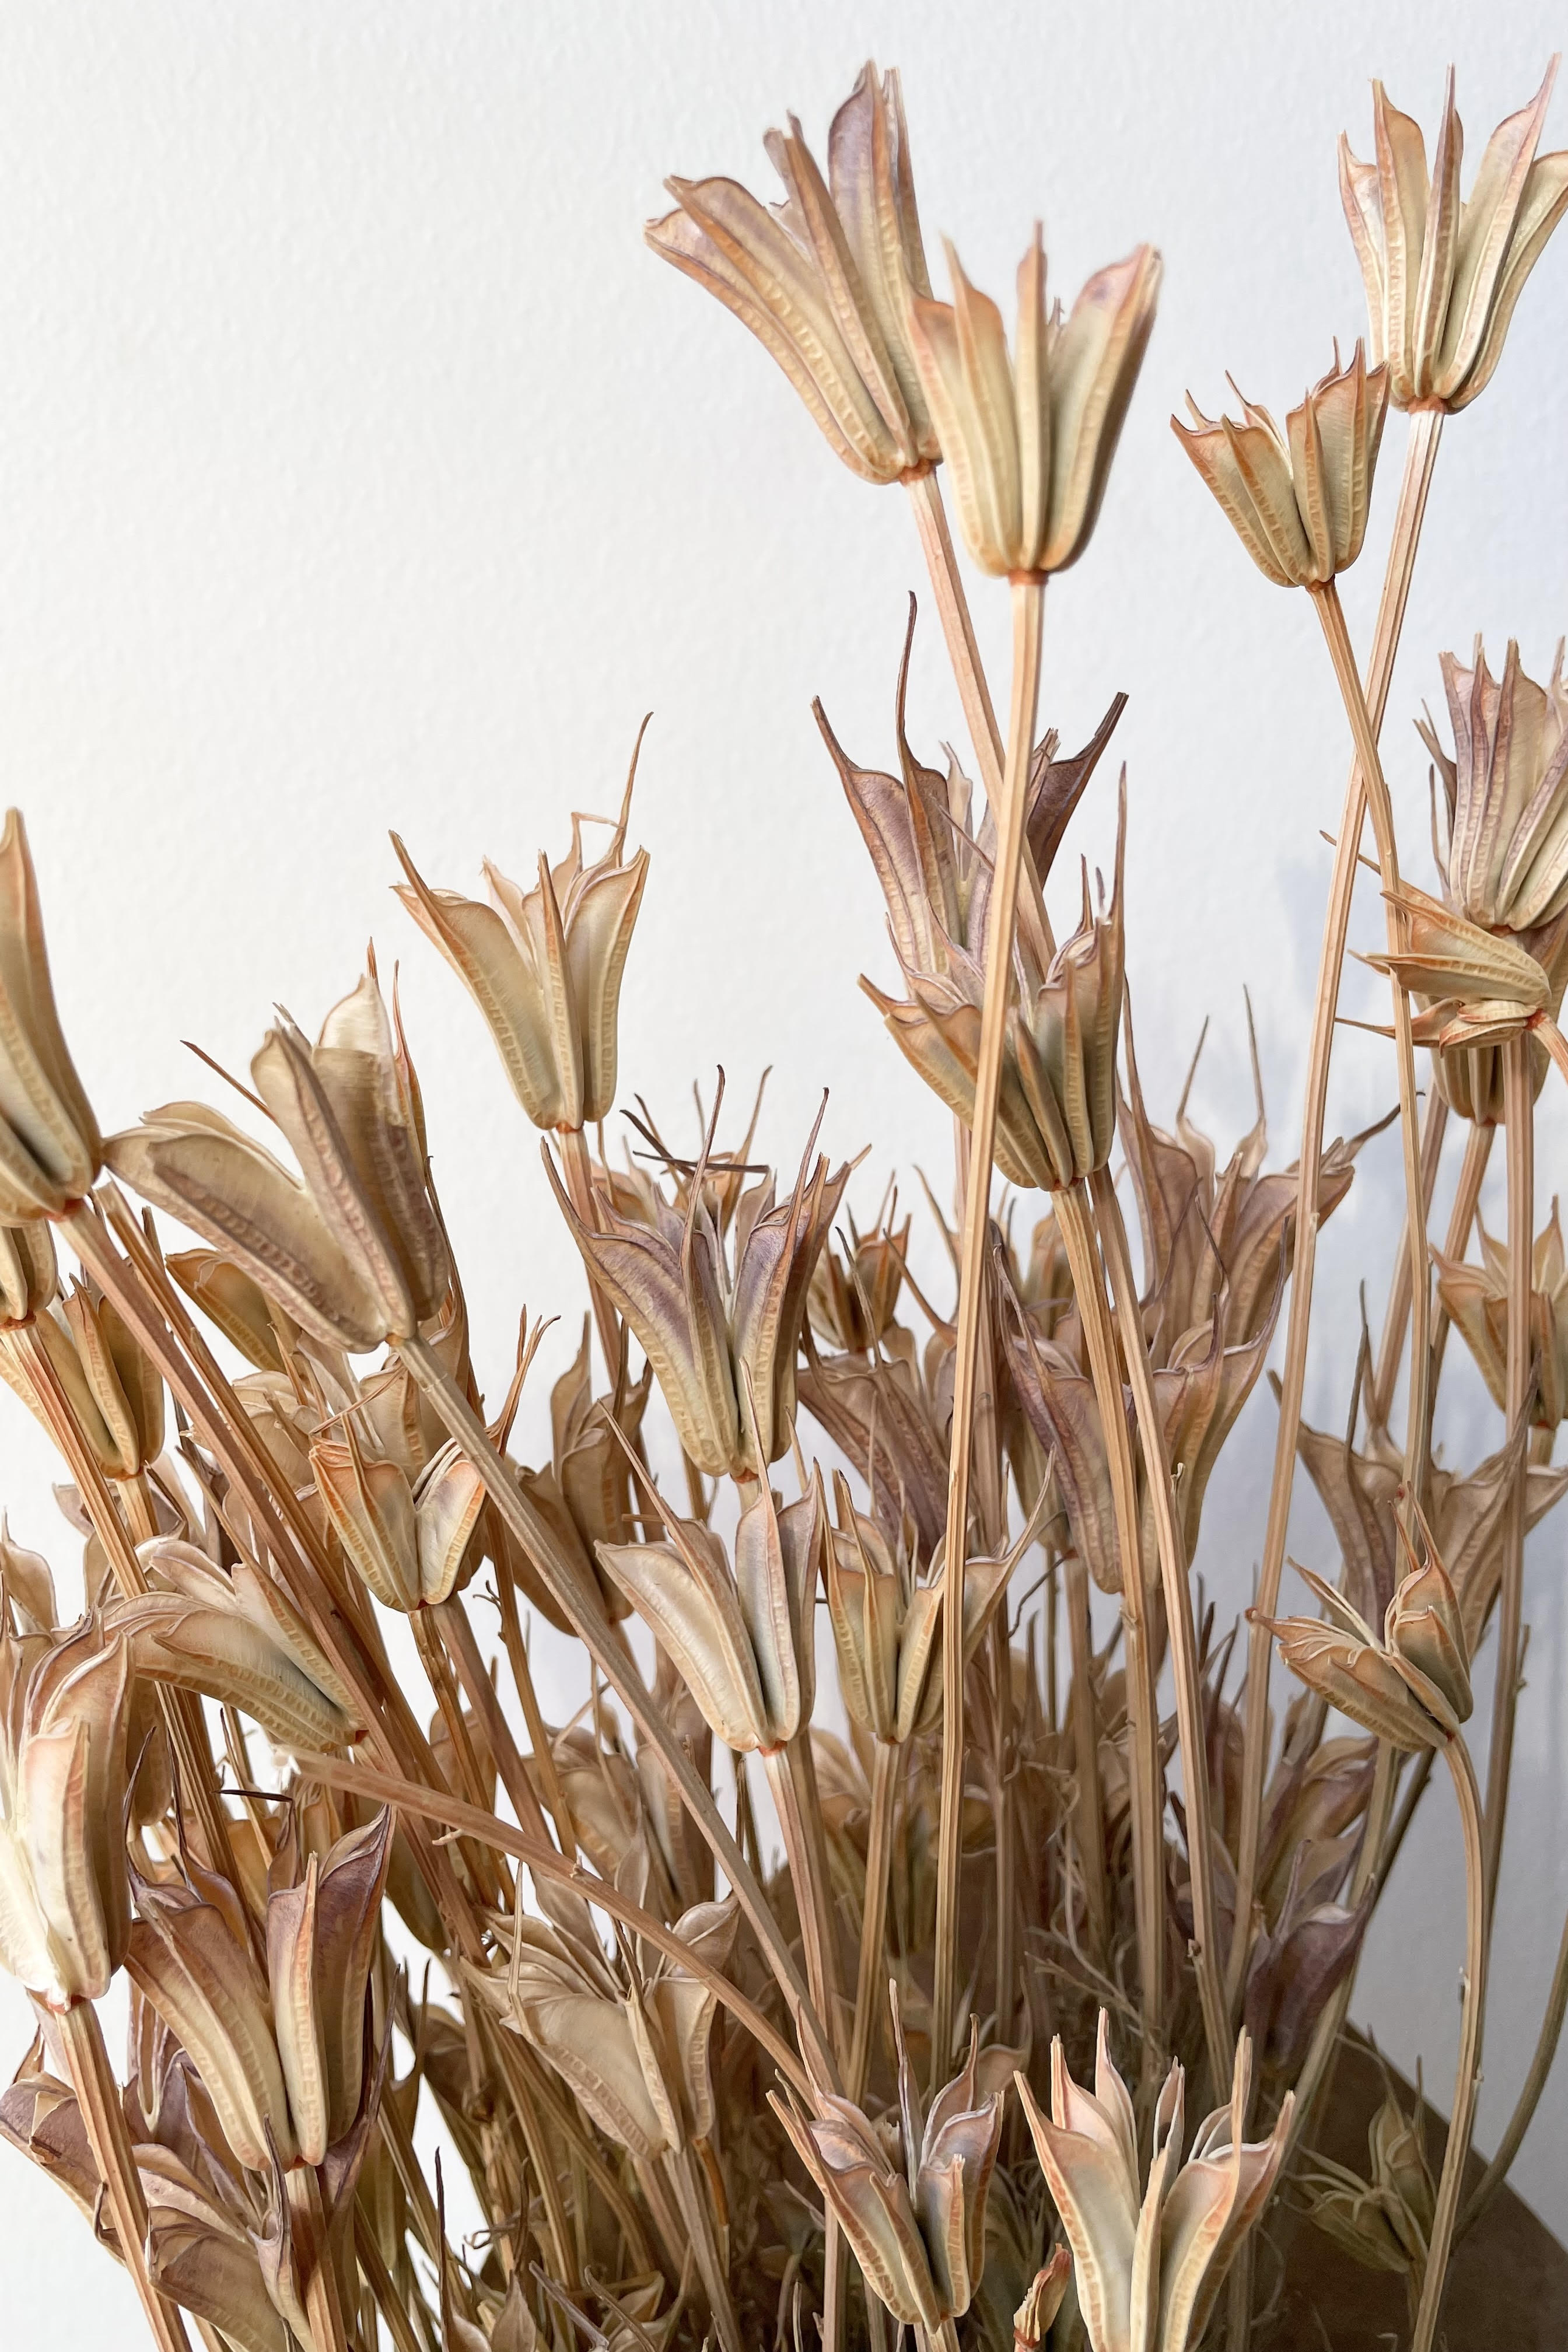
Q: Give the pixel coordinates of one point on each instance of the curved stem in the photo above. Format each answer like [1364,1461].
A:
[535,1534]
[1467,2078]
[1028,614]
[1519,1116]
[1148,1792]
[874,1918]
[434,1805]
[1179,1617]
[1519,2122]
[1420,456]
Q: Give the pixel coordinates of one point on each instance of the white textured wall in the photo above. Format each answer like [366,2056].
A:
[359,468]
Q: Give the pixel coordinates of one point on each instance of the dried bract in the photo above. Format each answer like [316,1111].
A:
[50,1149]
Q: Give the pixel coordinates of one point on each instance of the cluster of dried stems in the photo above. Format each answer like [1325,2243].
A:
[705,2095]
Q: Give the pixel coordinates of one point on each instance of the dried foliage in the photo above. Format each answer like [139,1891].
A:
[748,1978]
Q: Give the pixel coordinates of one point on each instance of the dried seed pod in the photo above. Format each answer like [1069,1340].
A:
[1443,275]
[50,1148]
[1150,2258]
[1297,499]
[1477,1298]
[1029,437]
[64,1899]
[544,967]
[233,1300]
[912,2203]
[355,1251]
[1505,791]
[29,1275]
[824,280]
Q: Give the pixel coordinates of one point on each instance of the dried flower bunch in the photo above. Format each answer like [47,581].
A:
[747,2029]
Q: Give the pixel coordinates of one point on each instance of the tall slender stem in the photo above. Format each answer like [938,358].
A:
[1461,1217]
[871,1983]
[1028,614]
[1179,1617]
[312,2255]
[801,1823]
[1519,2122]
[1089,1813]
[1148,1792]
[969,676]
[1519,1120]
[1330,613]
[109,2136]
[580,1193]
[1466,2080]
[1420,456]
[1391,1347]
[533,1533]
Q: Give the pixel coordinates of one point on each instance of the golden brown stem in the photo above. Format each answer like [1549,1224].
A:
[1420,455]
[1519,2122]
[1461,1217]
[384,2287]
[1179,1617]
[109,2135]
[457,1634]
[532,1714]
[691,2195]
[308,2231]
[1519,1120]
[1331,613]
[1028,614]
[1148,1793]
[973,693]
[1391,1347]
[1089,1811]
[801,1825]
[1468,2079]
[580,1193]
[535,1534]
[871,1980]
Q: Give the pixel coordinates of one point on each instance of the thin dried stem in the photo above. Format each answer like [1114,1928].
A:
[1461,1217]
[1518,1117]
[1028,614]
[1420,456]
[1148,1789]
[1179,1618]
[580,1193]
[806,1858]
[870,1987]
[969,676]
[109,2136]
[1089,1810]
[308,2231]
[1535,2080]
[1467,2078]
[1391,1347]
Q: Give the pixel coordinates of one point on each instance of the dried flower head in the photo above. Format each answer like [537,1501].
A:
[1443,274]
[65,1902]
[29,1275]
[1056,1118]
[353,1252]
[1477,1298]
[1505,791]
[1297,499]
[1150,2257]
[544,967]
[909,2196]
[824,280]
[1413,1687]
[50,1149]
[1029,437]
